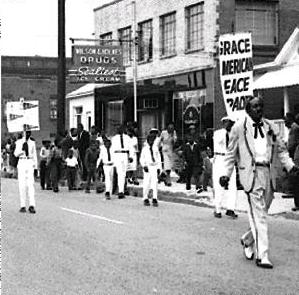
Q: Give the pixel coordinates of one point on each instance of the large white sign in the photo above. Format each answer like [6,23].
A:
[236,71]
[22,115]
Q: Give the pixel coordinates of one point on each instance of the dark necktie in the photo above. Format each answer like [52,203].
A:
[227,139]
[26,148]
[121,141]
[109,155]
[258,128]
[152,153]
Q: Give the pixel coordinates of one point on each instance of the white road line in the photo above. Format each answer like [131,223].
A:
[94,216]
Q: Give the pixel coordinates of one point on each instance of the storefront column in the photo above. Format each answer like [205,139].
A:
[286,103]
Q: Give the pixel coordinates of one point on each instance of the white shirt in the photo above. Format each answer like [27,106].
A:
[146,157]
[116,144]
[219,141]
[104,157]
[44,153]
[71,162]
[31,150]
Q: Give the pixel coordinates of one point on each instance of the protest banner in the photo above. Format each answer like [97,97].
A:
[22,115]
[236,71]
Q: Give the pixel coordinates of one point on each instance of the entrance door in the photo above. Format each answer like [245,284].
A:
[148,120]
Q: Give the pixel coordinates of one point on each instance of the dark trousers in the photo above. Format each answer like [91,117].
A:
[44,174]
[294,182]
[207,180]
[84,169]
[194,171]
[55,173]
[71,177]
[91,175]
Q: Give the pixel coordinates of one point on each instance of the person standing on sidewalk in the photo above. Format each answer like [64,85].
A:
[255,145]
[71,169]
[83,144]
[45,182]
[221,140]
[26,152]
[150,161]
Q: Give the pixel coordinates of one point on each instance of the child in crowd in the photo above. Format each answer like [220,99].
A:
[71,169]
[132,167]
[91,157]
[45,182]
[150,161]
[76,154]
[106,161]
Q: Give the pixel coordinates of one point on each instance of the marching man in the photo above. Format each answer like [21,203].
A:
[122,154]
[150,161]
[26,151]
[106,160]
[221,140]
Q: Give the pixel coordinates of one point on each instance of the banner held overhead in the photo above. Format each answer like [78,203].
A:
[236,71]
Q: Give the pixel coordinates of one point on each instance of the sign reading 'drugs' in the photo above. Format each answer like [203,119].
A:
[97,64]
[236,71]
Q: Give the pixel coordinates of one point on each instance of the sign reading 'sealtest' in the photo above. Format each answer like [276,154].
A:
[97,64]
[236,71]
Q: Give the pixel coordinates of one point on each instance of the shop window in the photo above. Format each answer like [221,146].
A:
[168,34]
[106,39]
[125,37]
[260,18]
[195,27]
[145,38]
[150,103]
[53,108]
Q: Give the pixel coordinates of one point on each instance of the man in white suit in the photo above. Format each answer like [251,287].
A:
[221,140]
[26,152]
[255,145]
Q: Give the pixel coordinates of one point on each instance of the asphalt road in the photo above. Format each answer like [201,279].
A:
[83,244]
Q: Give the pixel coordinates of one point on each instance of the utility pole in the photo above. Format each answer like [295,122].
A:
[61,68]
[135,44]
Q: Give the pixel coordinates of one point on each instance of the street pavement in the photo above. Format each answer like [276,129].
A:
[79,243]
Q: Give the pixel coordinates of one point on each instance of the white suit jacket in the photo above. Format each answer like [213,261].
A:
[31,150]
[241,148]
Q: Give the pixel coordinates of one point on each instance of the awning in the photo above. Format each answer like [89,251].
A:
[283,77]
[87,89]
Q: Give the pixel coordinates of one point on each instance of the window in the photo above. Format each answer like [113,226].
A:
[125,38]
[145,36]
[150,103]
[53,108]
[195,27]
[167,34]
[260,18]
[106,39]
[78,115]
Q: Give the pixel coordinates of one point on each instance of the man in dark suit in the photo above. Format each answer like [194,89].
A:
[83,145]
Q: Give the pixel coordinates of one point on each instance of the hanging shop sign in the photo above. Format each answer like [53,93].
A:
[22,115]
[97,64]
[236,71]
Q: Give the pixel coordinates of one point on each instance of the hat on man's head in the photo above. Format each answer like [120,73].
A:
[154,130]
[192,127]
[227,118]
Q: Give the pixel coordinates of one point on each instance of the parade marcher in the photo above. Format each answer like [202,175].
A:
[168,138]
[26,152]
[150,161]
[45,182]
[193,163]
[90,161]
[71,170]
[83,145]
[122,154]
[106,160]
[255,145]
[132,167]
[221,141]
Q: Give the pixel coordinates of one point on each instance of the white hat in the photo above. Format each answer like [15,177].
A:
[154,130]
[228,118]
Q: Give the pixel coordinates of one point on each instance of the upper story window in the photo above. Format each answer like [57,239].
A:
[125,35]
[168,34]
[145,35]
[53,107]
[106,39]
[195,27]
[259,17]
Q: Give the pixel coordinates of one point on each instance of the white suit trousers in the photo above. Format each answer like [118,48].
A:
[220,193]
[150,181]
[26,181]
[108,171]
[121,164]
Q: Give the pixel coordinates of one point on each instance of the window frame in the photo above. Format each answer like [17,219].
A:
[53,107]
[164,51]
[140,38]
[126,46]
[104,40]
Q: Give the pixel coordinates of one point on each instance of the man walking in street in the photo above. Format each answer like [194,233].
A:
[26,152]
[221,140]
[83,145]
[255,145]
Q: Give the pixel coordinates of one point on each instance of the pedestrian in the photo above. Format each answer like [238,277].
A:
[193,163]
[54,163]
[132,167]
[168,138]
[150,161]
[221,141]
[254,144]
[13,160]
[71,170]
[105,159]
[101,139]
[83,145]
[45,182]
[26,152]
[296,183]
[90,162]
[122,154]
[207,169]
[76,154]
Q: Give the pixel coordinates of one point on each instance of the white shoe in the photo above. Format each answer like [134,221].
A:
[264,262]
[248,251]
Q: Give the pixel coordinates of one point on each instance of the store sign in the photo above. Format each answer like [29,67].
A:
[97,64]
[22,115]
[236,71]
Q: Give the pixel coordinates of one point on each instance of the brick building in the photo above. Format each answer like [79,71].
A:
[177,59]
[34,78]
